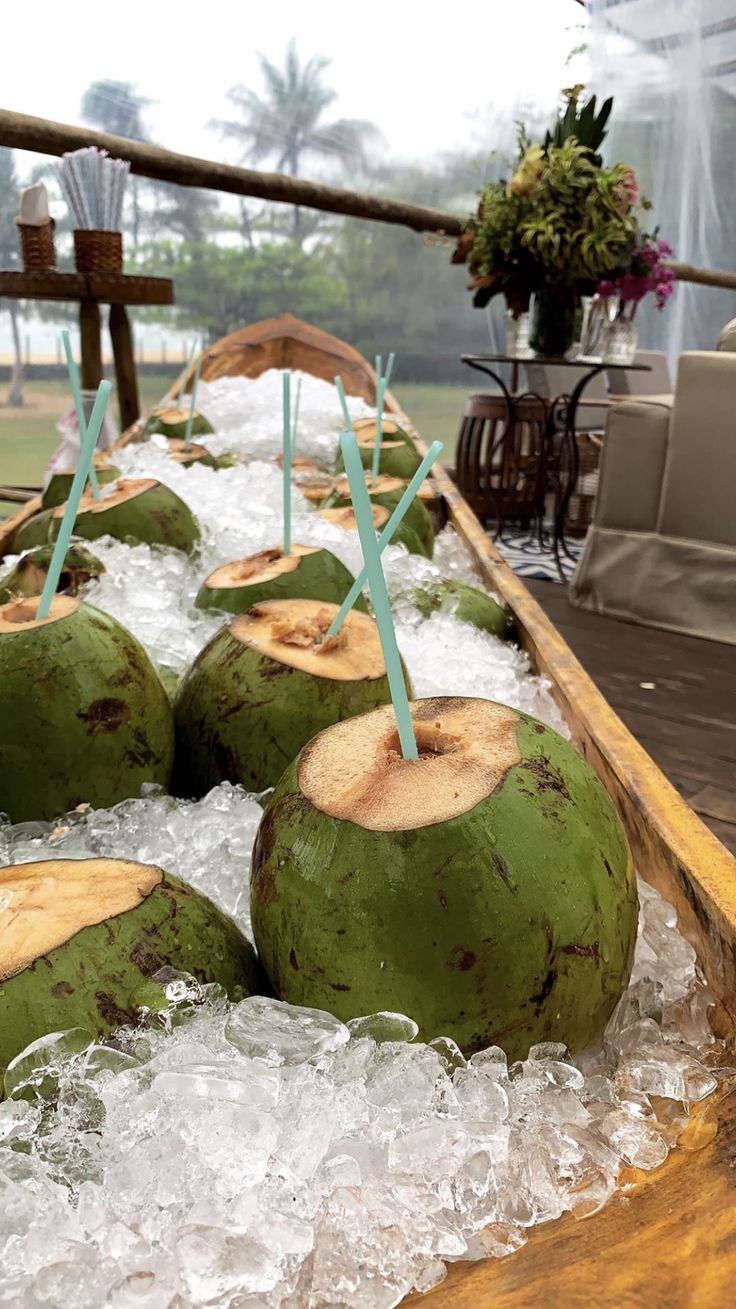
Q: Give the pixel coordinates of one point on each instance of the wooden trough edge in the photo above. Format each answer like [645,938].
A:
[673,848]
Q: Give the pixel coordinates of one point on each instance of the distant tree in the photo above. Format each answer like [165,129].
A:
[286,124]
[116,107]
[10,256]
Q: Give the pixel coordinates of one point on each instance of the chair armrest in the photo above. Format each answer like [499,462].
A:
[632,465]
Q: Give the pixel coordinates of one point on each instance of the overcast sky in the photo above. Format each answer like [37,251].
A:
[425,80]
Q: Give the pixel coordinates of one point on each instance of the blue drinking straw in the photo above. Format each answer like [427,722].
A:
[286,461]
[72,505]
[183,387]
[192,403]
[386,535]
[345,411]
[379,594]
[380,392]
[73,372]
[389,368]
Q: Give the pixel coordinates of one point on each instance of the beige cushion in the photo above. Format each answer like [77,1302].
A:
[699,484]
[632,464]
[659,581]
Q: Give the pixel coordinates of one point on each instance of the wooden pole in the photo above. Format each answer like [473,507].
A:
[25,132]
[89,329]
[125,374]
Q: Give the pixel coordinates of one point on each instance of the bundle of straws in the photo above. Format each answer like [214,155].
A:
[93,186]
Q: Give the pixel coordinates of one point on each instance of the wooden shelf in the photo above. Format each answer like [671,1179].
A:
[49,284]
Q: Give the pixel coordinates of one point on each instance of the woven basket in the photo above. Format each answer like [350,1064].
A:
[37,245]
[98,251]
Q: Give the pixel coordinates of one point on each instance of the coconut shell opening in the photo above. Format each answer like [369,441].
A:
[294,632]
[174,414]
[20,615]
[344,517]
[367,441]
[361,426]
[43,905]
[185,454]
[300,464]
[383,484]
[260,567]
[355,771]
[126,489]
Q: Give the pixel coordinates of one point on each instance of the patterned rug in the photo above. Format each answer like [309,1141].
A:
[527,557]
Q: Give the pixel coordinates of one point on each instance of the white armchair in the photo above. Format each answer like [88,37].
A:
[662,547]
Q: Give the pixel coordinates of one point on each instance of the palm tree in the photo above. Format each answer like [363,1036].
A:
[116,107]
[285,124]
[9,256]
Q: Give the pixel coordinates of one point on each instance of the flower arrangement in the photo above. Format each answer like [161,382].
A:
[646,274]
[563,225]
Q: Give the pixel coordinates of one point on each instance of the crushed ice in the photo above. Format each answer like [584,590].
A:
[265,1156]
[260,1156]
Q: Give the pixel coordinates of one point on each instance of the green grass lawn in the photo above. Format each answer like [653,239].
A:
[28,436]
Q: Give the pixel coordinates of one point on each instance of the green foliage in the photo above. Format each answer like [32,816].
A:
[220,288]
[562,218]
[584,125]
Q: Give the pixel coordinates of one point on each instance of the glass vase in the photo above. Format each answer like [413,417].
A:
[620,341]
[518,333]
[555,314]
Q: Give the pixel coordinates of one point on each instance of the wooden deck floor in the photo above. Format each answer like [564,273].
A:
[677,694]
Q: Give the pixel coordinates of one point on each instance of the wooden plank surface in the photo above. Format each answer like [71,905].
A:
[677,694]
[50,284]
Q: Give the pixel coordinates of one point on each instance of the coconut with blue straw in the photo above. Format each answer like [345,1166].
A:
[85,716]
[285,571]
[451,859]
[180,421]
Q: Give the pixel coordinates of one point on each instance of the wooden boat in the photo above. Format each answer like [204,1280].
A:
[670,1243]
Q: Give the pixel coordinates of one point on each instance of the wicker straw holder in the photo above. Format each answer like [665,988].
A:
[98,251]
[37,245]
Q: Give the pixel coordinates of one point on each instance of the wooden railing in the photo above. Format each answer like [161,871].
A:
[24,132]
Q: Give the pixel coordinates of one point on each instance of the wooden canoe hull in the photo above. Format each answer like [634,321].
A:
[669,1243]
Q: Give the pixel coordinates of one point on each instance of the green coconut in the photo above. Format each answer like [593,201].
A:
[390,430]
[83,714]
[398,458]
[140,509]
[486,889]
[264,685]
[186,455]
[29,575]
[34,531]
[171,420]
[82,940]
[467,603]
[307,572]
[404,534]
[57,491]
[388,491]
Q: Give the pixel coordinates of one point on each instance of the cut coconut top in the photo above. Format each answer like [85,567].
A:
[300,464]
[43,905]
[294,632]
[367,440]
[355,770]
[257,568]
[126,489]
[344,517]
[363,425]
[382,484]
[20,616]
[183,453]
[174,413]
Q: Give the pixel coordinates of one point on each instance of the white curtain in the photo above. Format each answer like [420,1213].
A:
[671,67]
